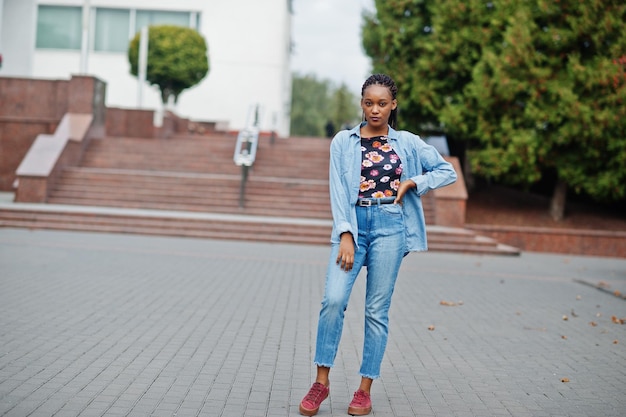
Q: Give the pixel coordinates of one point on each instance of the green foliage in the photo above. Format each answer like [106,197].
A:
[177,59]
[395,38]
[532,86]
[316,102]
[345,108]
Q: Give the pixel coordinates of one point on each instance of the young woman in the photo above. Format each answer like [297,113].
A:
[377,175]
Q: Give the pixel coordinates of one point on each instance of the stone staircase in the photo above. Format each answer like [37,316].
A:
[198,174]
[189,186]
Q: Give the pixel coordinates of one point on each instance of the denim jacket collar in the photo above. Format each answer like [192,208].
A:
[356,131]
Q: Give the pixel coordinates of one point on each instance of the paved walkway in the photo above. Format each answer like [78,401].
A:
[116,325]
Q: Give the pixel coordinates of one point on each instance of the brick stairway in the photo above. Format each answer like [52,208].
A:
[198,174]
[189,186]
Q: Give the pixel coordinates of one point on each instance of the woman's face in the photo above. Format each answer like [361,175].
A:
[377,104]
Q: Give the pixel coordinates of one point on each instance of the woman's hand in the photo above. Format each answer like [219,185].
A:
[345,258]
[402,190]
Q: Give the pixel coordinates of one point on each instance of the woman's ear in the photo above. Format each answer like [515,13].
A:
[394,104]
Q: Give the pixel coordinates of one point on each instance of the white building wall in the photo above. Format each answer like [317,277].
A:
[1,11]
[17,37]
[248,47]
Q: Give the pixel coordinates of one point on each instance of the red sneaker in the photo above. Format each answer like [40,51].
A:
[311,402]
[361,404]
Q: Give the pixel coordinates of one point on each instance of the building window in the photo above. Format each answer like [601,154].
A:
[59,27]
[112,30]
[158,17]
[195,19]
[111,33]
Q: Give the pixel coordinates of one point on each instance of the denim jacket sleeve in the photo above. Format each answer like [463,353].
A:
[423,165]
[343,191]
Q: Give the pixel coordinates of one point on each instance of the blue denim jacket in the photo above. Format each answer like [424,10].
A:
[421,163]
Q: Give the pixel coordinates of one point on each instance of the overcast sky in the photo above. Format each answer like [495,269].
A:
[327,41]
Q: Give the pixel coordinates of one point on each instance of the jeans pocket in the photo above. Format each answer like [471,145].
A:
[393,209]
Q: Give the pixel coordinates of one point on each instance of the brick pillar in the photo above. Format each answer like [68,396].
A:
[450,201]
[86,95]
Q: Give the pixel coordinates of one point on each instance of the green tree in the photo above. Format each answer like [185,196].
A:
[536,87]
[395,36]
[316,102]
[308,105]
[345,108]
[177,59]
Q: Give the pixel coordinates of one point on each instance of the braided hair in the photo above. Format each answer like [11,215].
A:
[385,81]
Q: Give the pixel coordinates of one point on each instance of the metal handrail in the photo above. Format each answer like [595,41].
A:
[245,152]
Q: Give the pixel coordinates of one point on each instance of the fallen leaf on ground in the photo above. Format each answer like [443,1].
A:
[539,329]
[431,327]
[447,303]
[563,337]
[593,323]
[615,342]
[564,379]
[565,318]
[615,320]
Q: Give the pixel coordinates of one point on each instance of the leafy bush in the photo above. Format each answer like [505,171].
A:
[177,59]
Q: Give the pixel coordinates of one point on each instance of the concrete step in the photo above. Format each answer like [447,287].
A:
[282,197]
[215,226]
[190,186]
[163,223]
[162,155]
[268,210]
[300,158]
[188,191]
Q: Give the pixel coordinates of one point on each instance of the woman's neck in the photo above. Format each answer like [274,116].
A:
[366,132]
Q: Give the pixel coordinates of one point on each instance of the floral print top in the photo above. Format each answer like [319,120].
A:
[380,168]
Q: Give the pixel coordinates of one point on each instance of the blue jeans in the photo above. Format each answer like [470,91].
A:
[382,245]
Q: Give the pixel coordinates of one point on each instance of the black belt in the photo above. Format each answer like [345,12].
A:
[367,202]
